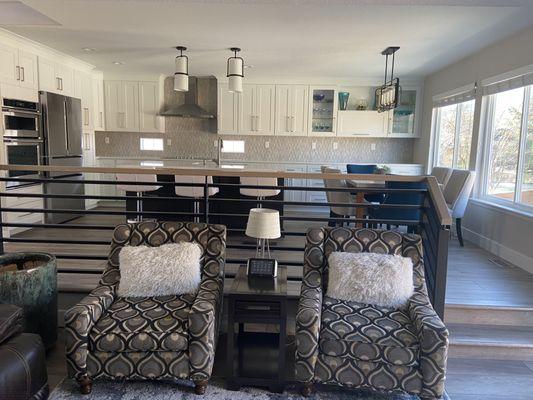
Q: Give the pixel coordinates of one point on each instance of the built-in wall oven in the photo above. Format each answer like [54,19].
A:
[21,119]
[23,142]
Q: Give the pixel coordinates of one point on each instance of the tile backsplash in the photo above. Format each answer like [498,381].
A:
[188,139]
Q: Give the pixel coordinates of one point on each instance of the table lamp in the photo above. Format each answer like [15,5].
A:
[263,224]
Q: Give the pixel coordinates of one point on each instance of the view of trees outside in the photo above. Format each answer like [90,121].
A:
[466,111]
[455,134]
[527,180]
[446,134]
[505,143]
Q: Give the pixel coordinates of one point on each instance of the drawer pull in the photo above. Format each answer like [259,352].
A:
[257,308]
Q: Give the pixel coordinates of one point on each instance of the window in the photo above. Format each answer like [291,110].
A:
[453,129]
[153,144]
[232,146]
[509,147]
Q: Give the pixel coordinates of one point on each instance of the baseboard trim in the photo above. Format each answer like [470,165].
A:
[498,249]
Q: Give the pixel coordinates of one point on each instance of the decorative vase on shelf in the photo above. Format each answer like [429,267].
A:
[343,100]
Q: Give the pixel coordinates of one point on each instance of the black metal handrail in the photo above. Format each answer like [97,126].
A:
[433,224]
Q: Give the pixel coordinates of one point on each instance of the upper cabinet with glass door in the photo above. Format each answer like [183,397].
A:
[402,121]
[322,111]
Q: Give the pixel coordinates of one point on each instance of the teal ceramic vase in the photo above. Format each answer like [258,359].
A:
[29,280]
[343,100]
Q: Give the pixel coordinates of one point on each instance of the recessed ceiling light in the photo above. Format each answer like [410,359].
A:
[88,49]
[118,62]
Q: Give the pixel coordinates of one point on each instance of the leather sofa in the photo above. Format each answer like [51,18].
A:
[22,358]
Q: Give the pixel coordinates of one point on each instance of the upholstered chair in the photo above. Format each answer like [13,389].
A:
[442,175]
[456,194]
[338,197]
[165,337]
[356,345]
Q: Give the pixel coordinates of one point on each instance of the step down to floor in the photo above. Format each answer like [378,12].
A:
[497,342]
[488,315]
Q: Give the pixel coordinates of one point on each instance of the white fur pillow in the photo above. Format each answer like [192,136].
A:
[170,269]
[379,279]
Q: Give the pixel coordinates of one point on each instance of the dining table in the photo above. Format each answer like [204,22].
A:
[361,185]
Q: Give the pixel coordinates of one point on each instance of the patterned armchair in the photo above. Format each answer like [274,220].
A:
[165,337]
[357,345]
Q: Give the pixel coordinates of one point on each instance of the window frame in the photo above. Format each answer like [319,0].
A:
[488,132]
[456,139]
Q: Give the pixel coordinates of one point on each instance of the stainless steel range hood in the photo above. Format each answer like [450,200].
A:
[191,109]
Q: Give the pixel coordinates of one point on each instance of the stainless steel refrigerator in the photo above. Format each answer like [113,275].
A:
[62,132]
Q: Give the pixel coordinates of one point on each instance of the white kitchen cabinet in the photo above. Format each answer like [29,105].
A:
[132,106]
[355,123]
[83,91]
[402,122]
[257,112]
[322,115]
[122,105]
[98,102]
[55,77]
[228,110]
[22,202]
[89,160]
[295,195]
[149,121]
[250,112]
[18,67]
[291,110]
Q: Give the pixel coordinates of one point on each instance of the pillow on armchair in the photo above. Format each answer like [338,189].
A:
[170,269]
[379,279]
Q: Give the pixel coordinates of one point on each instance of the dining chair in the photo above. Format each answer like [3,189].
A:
[405,198]
[194,192]
[456,194]
[139,189]
[442,174]
[366,169]
[338,197]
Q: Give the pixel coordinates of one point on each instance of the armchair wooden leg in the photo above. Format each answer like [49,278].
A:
[200,386]
[459,231]
[307,389]
[86,385]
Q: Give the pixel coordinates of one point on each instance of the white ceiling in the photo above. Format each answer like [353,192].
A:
[294,38]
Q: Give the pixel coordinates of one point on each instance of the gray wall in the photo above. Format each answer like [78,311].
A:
[504,233]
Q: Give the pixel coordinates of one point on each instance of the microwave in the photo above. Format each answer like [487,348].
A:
[21,119]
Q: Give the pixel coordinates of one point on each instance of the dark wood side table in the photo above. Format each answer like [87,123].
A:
[257,358]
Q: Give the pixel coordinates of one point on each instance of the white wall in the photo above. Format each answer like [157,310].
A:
[502,232]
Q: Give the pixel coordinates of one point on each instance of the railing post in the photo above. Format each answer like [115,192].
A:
[442,271]
[206,201]
[1,229]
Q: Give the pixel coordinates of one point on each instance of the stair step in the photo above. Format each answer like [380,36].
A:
[497,342]
[488,315]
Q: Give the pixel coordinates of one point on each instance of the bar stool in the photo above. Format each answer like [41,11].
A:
[195,192]
[260,194]
[139,190]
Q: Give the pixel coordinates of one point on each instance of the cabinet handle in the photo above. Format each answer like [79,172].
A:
[257,123]
[57,84]
[292,123]
[287,123]
[86,116]
[18,73]
[101,119]
[23,76]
